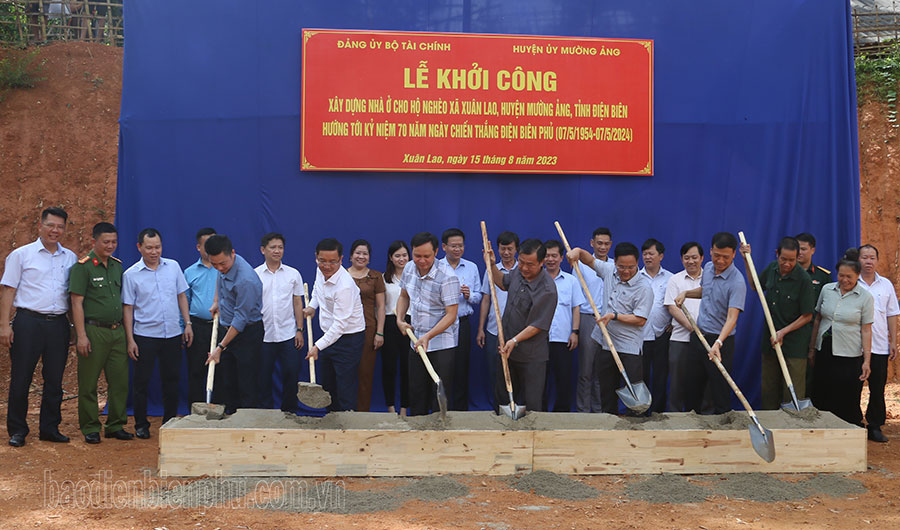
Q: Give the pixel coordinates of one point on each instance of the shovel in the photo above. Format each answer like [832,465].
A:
[311,394]
[441,394]
[636,396]
[209,409]
[760,438]
[512,410]
[795,404]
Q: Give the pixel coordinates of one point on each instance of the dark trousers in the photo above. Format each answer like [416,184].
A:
[587,392]
[395,351]
[422,390]
[168,351]
[841,379]
[528,380]
[197,353]
[702,374]
[460,399]
[875,413]
[492,365]
[36,338]
[288,359]
[611,379]
[656,370]
[679,353]
[339,369]
[240,368]
[560,366]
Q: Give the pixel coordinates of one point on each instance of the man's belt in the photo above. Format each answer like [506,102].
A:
[201,320]
[42,316]
[107,325]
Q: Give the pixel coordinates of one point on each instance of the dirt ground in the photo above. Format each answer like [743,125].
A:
[58,146]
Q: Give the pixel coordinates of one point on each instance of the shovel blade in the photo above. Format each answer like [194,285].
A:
[313,396]
[635,396]
[512,410]
[762,441]
[442,398]
[801,404]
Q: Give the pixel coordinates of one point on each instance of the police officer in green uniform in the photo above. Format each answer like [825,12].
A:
[95,283]
[819,277]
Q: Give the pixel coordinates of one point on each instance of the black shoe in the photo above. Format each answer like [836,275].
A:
[121,434]
[17,440]
[57,437]
[92,437]
[143,433]
[877,436]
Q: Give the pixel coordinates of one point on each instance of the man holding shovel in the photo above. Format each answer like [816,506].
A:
[530,305]
[628,301]
[791,299]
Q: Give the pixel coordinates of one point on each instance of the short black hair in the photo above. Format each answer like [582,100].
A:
[452,232]
[54,210]
[685,248]
[205,232]
[553,243]
[103,228]
[508,238]
[601,231]
[424,237]
[148,232]
[850,259]
[806,237]
[788,243]
[266,239]
[626,249]
[360,243]
[724,240]
[653,243]
[218,244]
[328,244]
[867,245]
[533,246]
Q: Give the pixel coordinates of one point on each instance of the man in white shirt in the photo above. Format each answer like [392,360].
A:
[655,353]
[36,282]
[453,243]
[336,296]
[679,344]
[563,335]
[587,394]
[282,315]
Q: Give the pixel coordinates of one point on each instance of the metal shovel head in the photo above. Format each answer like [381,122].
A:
[803,403]
[514,412]
[442,398]
[762,441]
[313,396]
[636,397]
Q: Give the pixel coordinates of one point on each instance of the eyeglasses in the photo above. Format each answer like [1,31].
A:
[456,246]
[56,226]
[329,263]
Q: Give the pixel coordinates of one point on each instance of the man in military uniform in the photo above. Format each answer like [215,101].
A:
[819,277]
[95,283]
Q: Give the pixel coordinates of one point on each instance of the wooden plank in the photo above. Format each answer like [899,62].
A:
[581,452]
[321,453]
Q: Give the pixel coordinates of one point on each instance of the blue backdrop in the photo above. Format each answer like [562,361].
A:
[755,107]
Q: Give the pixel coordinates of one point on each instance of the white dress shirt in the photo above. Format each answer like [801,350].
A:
[678,283]
[391,295]
[885,306]
[279,289]
[340,307]
[40,277]
[660,318]
[501,297]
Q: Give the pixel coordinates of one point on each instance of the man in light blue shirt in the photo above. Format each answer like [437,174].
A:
[564,328]
[239,308]
[453,242]
[507,246]
[154,307]
[659,326]
[201,293]
[587,393]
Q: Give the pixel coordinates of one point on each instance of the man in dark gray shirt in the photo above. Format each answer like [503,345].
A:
[526,322]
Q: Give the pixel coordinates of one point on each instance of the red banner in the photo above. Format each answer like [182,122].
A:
[404,101]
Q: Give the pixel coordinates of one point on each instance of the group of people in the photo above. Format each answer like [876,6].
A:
[845,330]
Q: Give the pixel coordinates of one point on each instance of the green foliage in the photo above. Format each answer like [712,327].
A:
[877,78]
[20,69]
[10,15]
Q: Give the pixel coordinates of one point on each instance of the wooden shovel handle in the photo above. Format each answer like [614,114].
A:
[309,338]
[496,305]
[718,363]
[424,355]
[587,293]
[211,371]
[762,300]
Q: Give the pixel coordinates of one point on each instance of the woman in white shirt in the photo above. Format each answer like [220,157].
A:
[396,346]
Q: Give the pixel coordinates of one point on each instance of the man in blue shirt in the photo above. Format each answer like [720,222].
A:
[201,292]
[453,242]
[239,306]
[722,292]
[154,307]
